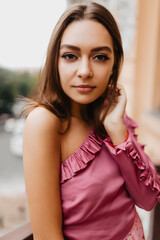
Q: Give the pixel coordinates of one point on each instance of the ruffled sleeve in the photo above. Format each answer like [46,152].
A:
[141,178]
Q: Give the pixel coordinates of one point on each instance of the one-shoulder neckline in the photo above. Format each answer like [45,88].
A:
[81,157]
[80,146]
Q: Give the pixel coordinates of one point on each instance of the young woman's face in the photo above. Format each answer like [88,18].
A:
[86,60]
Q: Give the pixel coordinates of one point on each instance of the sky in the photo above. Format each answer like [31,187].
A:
[25,29]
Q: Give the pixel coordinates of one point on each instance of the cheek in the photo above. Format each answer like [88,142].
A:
[104,70]
[65,71]
[104,77]
[64,78]
[62,73]
[103,81]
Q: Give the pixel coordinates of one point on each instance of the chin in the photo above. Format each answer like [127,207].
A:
[85,101]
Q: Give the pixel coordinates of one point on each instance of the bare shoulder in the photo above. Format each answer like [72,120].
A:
[42,119]
[41,136]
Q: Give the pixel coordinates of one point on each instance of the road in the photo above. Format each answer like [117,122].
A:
[11,167]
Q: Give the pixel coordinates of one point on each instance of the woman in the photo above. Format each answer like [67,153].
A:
[84,169]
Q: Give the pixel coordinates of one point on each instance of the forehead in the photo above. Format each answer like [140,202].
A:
[86,33]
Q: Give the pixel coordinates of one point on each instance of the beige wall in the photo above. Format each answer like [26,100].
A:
[146,105]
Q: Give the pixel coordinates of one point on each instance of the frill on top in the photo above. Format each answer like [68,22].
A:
[148,175]
[81,157]
[134,150]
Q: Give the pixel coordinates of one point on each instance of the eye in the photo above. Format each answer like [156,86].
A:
[101,57]
[69,56]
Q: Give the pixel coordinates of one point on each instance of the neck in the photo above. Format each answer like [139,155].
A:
[76,109]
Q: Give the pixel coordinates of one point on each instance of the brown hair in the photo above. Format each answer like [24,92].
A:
[51,95]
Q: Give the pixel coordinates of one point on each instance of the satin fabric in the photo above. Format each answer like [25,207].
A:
[101,184]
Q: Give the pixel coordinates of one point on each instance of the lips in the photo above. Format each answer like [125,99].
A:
[84,88]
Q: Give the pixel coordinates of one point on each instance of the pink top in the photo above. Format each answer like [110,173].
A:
[101,184]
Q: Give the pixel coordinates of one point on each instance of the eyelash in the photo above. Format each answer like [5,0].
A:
[102,57]
[68,55]
[72,57]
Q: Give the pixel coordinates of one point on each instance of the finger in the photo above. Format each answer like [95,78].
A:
[119,85]
[121,89]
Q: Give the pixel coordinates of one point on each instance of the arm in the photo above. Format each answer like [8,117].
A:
[41,158]
[141,179]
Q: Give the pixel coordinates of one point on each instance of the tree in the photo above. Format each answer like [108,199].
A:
[13,84]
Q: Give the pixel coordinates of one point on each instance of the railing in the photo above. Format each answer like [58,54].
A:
[23,232]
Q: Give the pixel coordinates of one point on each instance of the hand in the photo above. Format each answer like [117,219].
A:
[114,116]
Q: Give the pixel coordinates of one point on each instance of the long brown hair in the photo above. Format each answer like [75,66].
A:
[50,93]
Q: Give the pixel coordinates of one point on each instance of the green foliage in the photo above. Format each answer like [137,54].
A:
[13,84]
[26,83]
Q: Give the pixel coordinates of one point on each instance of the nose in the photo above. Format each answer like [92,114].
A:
[84,70]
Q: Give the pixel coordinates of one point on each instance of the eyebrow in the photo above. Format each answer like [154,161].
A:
[96,49]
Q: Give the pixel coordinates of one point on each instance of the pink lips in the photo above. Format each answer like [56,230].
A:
[84,88]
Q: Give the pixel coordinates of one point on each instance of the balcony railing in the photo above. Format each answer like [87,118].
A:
[23,232]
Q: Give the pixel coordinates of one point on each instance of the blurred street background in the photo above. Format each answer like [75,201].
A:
[26,27]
